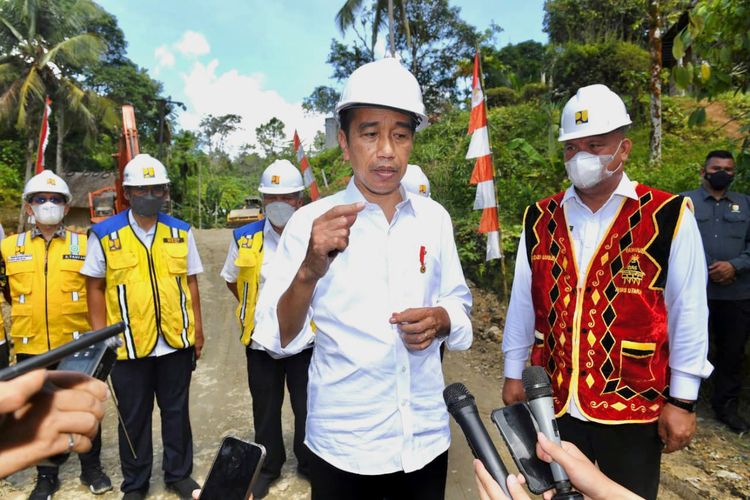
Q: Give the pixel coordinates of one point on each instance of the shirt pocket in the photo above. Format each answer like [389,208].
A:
[122,266]
[736,224]
[71,280]
[21,279]
[176,258]
[635,363]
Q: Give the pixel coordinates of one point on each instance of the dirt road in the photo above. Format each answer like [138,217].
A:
[714,467]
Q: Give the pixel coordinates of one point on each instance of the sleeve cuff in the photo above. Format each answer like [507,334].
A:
[739,265]
[684,385]
[514,367]
[461,334]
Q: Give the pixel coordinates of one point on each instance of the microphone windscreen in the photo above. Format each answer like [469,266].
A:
[457,396]
[536,382]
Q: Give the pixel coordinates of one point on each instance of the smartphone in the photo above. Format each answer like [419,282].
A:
[59,353]
[234,470]
[516,425]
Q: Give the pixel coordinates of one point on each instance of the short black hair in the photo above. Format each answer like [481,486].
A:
[719,153]
[346,116]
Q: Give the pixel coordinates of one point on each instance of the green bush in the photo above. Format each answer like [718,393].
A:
[501,96]
[534,91]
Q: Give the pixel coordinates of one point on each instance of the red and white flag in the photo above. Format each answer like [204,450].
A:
[483,174]
[304,167]
[43,135]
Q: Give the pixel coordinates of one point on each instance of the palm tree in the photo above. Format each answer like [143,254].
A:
[346,17]
[45,48]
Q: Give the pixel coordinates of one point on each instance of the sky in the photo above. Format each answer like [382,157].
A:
[259,59]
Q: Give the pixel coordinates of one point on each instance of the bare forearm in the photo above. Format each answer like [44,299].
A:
[293,306]
[233,288]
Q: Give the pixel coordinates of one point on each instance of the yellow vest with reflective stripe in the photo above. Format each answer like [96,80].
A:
[48,293]
[249,239]
[147,288]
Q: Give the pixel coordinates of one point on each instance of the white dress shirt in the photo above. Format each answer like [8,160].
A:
[373,406]
[95,266]
[684,293]
[230,272]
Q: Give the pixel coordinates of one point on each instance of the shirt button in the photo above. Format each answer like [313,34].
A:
[403,403]
[403,369]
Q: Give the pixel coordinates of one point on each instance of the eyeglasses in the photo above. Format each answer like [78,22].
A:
[40,200]
[157,191]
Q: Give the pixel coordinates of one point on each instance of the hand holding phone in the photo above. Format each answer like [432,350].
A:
[234,470]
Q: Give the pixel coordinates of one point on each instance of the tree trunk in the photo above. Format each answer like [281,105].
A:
[391,28]
[30,160]
[60,140]
[654,39]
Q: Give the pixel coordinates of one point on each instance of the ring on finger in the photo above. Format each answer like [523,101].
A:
[71,442]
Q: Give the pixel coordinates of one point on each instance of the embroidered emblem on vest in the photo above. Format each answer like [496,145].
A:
[632,274]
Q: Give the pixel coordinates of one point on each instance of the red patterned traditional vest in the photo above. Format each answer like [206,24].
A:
[604,345]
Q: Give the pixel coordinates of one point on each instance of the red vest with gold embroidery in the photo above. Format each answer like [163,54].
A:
[605,345]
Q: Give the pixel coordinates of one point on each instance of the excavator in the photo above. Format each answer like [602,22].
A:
[110,200]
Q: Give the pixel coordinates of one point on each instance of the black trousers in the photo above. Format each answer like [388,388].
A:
[136,383]
[729,323]
[629,454]
[266,377]
[331,483]
[4,354]
[88,459]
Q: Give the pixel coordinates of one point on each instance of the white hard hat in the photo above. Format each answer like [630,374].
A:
[594,110]
[384,83]
[415,181]
[47,182]
[145,170]
[281,177]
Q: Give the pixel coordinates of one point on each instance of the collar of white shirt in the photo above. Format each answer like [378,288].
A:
[626,189]
[352,194]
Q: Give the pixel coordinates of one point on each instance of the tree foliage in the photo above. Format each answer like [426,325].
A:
[594,21]
[271,136]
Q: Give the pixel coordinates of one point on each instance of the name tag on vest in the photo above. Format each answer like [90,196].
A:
[74,257]
[20,257]
[174,240]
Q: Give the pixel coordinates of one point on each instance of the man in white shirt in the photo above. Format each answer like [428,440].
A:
[609,292]
[142,268]
[269,367]
[376,270]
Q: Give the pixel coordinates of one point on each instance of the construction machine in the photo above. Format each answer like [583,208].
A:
[110,200]
[250,211]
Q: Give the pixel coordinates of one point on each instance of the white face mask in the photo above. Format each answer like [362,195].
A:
[586,170]
[279,213]
[48,213]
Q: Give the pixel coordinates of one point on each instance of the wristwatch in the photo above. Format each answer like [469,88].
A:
[685,405]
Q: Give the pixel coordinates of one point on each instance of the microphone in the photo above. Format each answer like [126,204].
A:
[539,395]
[462,407]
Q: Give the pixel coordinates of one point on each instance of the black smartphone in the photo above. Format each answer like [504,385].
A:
[234,470]
[516,425]
[58,354]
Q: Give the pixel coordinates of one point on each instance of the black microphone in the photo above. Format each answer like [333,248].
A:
[539,395]
[462,407]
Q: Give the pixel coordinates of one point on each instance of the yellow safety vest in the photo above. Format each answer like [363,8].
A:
[249,239]
[2,321]
[147,287]
[48,293]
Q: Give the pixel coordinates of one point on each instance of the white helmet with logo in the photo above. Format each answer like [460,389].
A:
[415,181]
[47,182]
[281,177]
[144,170]
[594,110]
[384,83]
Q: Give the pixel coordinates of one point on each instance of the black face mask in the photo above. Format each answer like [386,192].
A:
[719,180]
[146,206]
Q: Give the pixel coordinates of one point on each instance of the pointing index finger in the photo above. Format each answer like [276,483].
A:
[349,211]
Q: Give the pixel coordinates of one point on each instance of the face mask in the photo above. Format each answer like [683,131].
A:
[48,213]
[719,180]
[146,206]
[279,213]
[586,170]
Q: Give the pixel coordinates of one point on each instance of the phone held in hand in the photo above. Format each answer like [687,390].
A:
[234,470]
[516,425]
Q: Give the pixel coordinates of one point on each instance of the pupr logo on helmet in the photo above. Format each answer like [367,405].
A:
[148,173]
[51,181]
[582,117]
[275,179]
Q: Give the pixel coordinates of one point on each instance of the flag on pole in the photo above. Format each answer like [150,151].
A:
[43,135]
[483,175]
[304,167]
